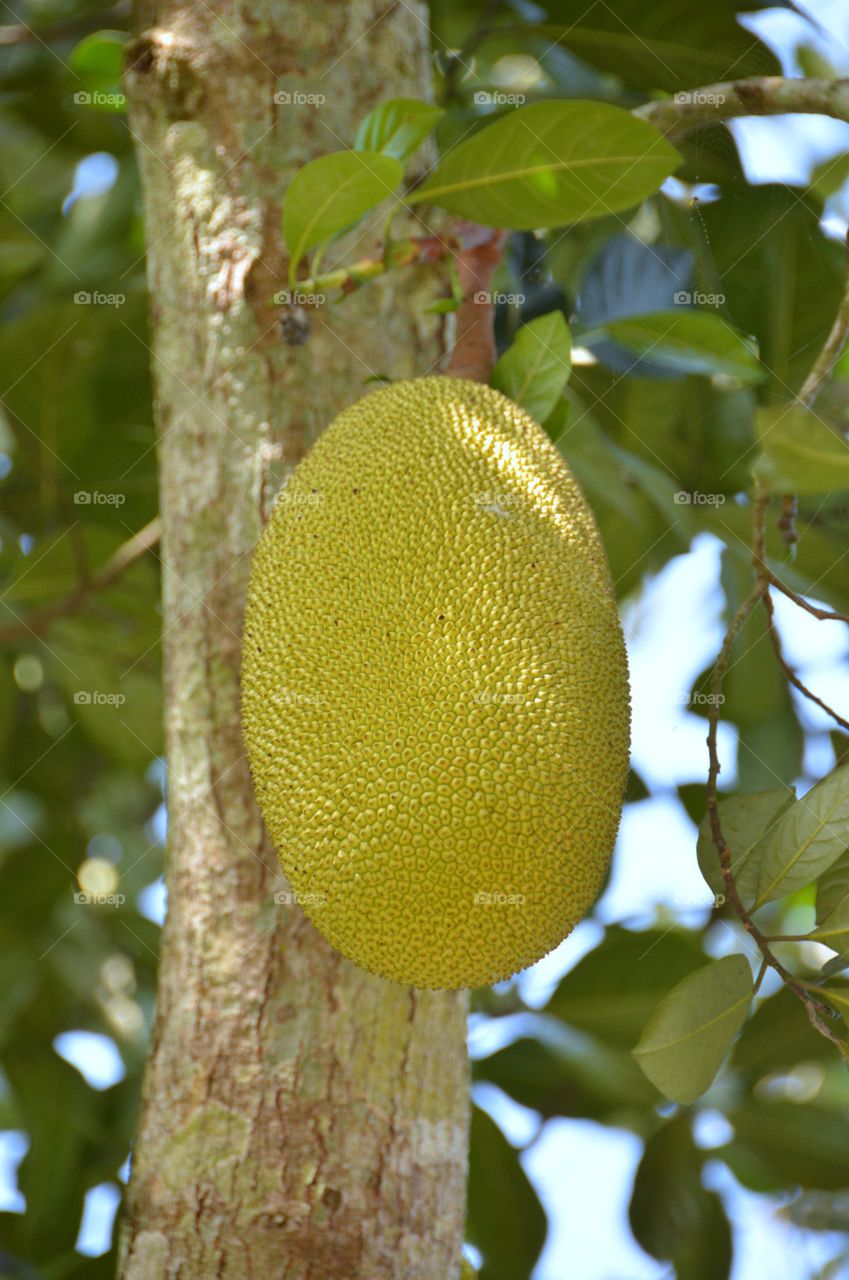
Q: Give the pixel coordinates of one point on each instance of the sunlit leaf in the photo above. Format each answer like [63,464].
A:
[534,370]
[397,127]
[551,163]
[331,193]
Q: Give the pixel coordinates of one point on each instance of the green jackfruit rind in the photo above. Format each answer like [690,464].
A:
[434,687]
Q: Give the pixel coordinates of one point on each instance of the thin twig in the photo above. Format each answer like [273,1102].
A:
[20,33]
[816,1009]
[775,638]
[824,615]
[830,354]
[404,253]
[104,577]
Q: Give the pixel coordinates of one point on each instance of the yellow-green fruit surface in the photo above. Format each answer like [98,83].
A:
[434,687]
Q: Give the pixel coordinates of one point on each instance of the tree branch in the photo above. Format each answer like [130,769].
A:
[115,566]
[20,33]
[762,96]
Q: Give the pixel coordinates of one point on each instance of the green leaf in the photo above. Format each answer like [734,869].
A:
[686,1039]
[799,452]
[829,175]
[661,45]
[549,164]
[535,369]
[329,194]
[807,839]
[672,1216]
[787,1144]
[833,887]
[98,61]
[744,821]
[688,341]
[579,1077]
[505,1219]
[613,990]
[397,127]
[777,1037]
[101,54]
[838,996]
[833,931]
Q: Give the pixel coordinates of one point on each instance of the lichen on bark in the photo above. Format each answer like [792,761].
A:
[300,1118]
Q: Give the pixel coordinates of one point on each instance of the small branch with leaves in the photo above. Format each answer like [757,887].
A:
[814,997]
[104,577]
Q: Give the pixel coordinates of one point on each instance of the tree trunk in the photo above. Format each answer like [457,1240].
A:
[300,1118]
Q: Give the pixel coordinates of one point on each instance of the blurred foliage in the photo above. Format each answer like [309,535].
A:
[662,436]
[79,775]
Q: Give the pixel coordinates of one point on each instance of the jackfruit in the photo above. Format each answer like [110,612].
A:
[434,687]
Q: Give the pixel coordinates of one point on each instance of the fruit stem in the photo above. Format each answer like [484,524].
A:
[477,259]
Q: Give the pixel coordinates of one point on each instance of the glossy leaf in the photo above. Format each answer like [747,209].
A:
[535,369]
[549,164]
[331,193]
[686,1040]
[688,341]
[100,54]
[397,127]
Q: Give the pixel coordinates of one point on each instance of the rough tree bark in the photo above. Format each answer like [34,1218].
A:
[300,1119]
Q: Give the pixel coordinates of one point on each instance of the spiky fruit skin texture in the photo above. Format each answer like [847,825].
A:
[434,687]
